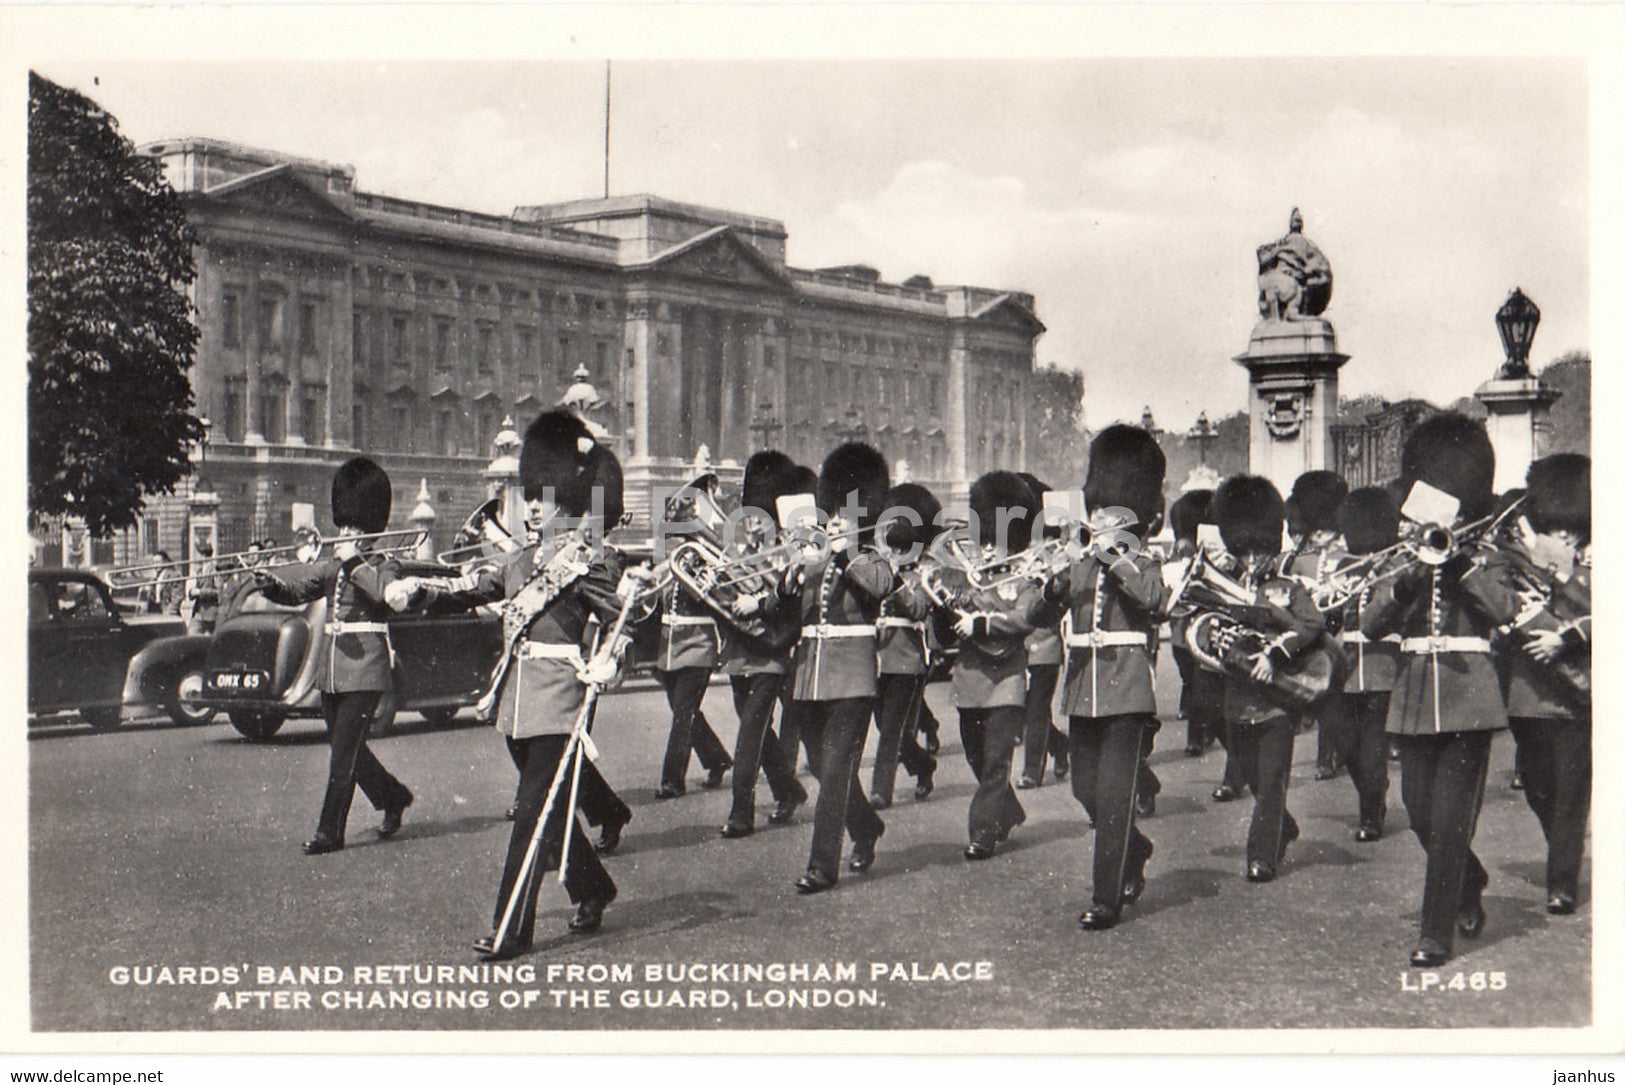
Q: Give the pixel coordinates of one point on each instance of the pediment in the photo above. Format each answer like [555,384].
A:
[278,190]
[718,255]
[1005,311]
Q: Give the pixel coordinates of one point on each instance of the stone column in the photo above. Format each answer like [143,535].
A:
[1292,398]
[422,519]
[959,369]
[1518,409]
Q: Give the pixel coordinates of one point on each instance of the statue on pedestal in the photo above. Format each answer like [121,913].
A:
[1294,276]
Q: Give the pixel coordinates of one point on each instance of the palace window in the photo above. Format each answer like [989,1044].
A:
[274,412]
[600,361]
[313,417]
[400,439]
[270,328]
[307,327]
[358,424]
[358,340]
[442,342]
[397,339]
[232,408]
[231,320]
[563,358]
[527,351]
[482,349]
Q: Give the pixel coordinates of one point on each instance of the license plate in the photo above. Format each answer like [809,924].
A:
[239,682]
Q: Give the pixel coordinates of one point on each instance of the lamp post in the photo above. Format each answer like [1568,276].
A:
[765,426]
[1147,422]
[1202,432]
[1516,400]
[202,506]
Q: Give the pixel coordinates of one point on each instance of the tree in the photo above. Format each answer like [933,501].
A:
[1569,427]
[1057,448]
[110,332]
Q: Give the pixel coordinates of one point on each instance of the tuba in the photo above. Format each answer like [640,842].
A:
[1571,675]
[1225,635]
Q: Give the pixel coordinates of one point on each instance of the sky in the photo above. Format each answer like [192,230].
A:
[1128,195]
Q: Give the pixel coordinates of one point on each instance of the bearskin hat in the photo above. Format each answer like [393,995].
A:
[1004,490]
[561,453]
[1560,494]
[1126,468]
[361,496]
[1249,512]
[901,534]
[1188,512]
[854,471]
[1369,520]
[769,475]
[1451,452]
[803,480]
[1312,506]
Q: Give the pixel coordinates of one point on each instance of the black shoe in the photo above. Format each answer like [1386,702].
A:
[863,856]
[1260,871]
[590,914]
[392,819]
[1097,919]
[669,791]
[1062,769]
[1368,834]
[713,779]
[1470,922]
[1145,805]
[1224,793]
[925,784]
[1325,772]
[735,830]
[1193,749]
[513,812]
[1560,904]
[879,801]
[814,881]
[1428,955]
[1026,783]
[609,837]
[322,845]
[1133,888]
[980,849]
[786,810]
[486,947]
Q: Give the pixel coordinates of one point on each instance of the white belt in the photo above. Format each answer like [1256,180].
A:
[686,619]
[831,632]
[1105,638]
[335,628]
[1428,645]
[900,623]
[1357,637]
[536,649]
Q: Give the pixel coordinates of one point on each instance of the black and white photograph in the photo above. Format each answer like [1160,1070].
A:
[995,528]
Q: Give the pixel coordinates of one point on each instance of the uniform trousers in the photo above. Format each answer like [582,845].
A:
[1331,739]
[790,714]
[1201,700]
[1041,735]
[989,736]
[598,802]
[1263,750]
[685,688]
[584,875]
[350,763]
[1106,754]
[756,747]
[834,733]
[1554,756]
[1442,784]
[900,696]
[1359,722]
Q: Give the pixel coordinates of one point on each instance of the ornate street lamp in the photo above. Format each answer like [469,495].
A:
[1148,423]
[1202,432]
[1517,321]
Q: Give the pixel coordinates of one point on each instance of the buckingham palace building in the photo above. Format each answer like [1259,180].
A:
[334,321]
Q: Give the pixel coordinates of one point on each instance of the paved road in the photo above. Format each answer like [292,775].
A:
[159,847]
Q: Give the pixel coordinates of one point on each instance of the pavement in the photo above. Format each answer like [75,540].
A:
[167,892]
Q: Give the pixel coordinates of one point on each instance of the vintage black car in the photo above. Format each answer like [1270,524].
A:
[80,646]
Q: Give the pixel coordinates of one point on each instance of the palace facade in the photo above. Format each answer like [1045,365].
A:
[335,321]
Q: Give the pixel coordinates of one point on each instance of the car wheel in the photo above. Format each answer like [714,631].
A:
[182,708]
[102,717]
[256,726]
[439,717]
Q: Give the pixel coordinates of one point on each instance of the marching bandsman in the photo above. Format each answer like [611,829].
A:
[1312,524]
[901,638]
[1359,712]
[990,675]
[563,577]
[1249,512]
[689,643]
[758,667]
[1114,594]
[356,668]
[838,595]
[1549,666]
[1447,701]
[1041,737]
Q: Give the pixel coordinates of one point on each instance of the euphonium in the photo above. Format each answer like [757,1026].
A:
[718,581]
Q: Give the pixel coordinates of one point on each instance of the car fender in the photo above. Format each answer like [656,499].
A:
[154,670]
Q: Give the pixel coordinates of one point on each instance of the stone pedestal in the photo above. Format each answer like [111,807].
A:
[1292,397]
[203,530]
[1517,408]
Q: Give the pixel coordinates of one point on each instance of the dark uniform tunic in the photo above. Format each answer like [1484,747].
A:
[1358,714]
[902,665]
[834,684]
[1446,706]
[1113,611]
[1313,566]
[355,672]
[1552,726]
